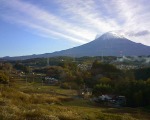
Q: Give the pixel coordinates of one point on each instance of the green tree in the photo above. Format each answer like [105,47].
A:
[104,80]
[100,89]
[4,79]
[138,98]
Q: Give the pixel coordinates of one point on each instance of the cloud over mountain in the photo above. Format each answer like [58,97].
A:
[79,20]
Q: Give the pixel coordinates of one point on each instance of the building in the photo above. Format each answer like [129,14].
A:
[50,81]
[111,100]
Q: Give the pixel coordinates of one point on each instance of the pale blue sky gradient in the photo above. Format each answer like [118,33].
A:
[44,26]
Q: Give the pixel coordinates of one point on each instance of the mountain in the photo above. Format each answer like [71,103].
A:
[109,44]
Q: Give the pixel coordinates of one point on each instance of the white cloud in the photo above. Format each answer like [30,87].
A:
[81,20]
[126,16]
[88,14]
[136,16]
[48,21]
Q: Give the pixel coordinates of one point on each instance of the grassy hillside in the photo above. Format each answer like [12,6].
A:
[35,102]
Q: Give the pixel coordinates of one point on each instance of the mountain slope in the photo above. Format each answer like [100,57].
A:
[109,44]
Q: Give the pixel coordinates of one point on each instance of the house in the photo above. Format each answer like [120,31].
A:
[106,97]
[50,81]
[111,100]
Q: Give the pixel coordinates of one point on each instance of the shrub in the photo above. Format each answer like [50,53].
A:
[4,79]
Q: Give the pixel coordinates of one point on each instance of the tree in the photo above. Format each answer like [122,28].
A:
[100,89]
[7,67]
[79,80]
[4,79]
[104,80]
[54,71]
[25,69]
[138,98]
[142,74]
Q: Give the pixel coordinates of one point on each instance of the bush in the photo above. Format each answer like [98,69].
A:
[69,85]
[102,89]
[4,79]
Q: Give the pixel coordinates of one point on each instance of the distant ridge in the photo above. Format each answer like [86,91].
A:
[109,44]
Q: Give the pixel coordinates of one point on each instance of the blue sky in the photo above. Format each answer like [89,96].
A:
[44,26]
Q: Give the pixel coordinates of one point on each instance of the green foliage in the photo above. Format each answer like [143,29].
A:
[104,80]
[69,85]
[54,71]
[107,70]
[21,67]
[142,74]
[136,92]
[79,80]
[138,97]
[7,67]
[65,85]
[100,89]
[102,67]
[4,79]
[109,79]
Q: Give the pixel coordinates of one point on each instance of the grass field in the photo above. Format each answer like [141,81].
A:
[32,101]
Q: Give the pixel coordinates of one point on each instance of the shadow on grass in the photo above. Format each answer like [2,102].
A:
[134,112]
[78,102]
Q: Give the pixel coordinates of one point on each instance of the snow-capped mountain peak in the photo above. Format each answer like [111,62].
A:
[112,34]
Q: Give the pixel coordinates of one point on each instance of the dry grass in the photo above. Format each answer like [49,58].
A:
[18,105]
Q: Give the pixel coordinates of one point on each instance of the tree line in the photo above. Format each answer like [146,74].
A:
[103,78]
